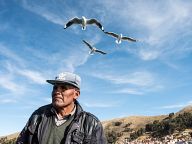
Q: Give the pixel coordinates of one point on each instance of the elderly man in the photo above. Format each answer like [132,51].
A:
[63,121]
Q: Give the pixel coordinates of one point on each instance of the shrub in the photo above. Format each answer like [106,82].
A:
[118,123]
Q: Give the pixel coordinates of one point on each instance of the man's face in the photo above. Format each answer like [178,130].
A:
[63,95]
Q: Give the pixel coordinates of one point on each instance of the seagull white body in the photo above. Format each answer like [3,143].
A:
[84,22]
[93,49]
[91,52]
[120,37]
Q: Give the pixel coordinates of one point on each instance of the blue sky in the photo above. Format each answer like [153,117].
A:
[150,77]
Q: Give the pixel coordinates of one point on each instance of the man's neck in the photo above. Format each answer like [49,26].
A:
[65,110]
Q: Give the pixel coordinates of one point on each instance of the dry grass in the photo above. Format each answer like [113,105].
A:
[11,136]
[137,121]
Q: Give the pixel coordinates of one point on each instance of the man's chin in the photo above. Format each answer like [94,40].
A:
[57,105]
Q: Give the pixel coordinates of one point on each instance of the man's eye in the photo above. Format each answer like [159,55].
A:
[54,87]
[63,87]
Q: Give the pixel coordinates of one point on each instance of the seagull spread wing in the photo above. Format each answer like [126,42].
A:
[100,51]
[94,21]
[112,34]
[129,39]
[88,44]
[73,21]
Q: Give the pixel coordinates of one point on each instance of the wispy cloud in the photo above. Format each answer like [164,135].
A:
[99,105]
[149,54]
[13,70]
[73,60]
[176,105]
[6,101]
[42,11]
[15,77]
[9,54]
[140,78]
[35,76]
[133,83]
[128,91]
[8,82]
[50,11]
[173,106]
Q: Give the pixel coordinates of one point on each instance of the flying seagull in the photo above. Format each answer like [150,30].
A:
[84,22]
[120,37]
[93,49]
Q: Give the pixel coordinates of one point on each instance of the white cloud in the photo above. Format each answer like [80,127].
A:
[51,17]
[7,82]
[73,60]
[140,78]
[173,106]
[35,76]
[133,83]
[10,55]
[13,66]
[51,11]
[42,12]
[176,105]
[99,105]
[6,101]
[13,71]
[149,55]
[128,91]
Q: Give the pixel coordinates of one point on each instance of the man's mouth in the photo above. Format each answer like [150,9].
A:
[57,97]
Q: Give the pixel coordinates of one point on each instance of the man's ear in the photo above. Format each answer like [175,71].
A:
[77,94]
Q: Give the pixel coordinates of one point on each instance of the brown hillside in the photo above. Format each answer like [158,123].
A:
[137,121]
[124,126]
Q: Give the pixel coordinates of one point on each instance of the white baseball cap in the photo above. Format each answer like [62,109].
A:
[66,78]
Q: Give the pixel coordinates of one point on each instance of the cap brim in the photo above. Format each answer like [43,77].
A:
[53,82]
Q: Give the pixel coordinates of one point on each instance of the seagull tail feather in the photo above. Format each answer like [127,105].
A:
[117,41]
[83,28]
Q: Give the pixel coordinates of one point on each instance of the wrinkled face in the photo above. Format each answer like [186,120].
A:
[63,95]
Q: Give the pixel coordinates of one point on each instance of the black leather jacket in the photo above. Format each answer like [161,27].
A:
[84,129]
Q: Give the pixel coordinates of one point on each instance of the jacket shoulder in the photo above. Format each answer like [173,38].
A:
[43,110]
[90,121]
[92,116]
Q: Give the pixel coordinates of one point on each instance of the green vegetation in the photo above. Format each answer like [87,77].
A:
[170,124]
[165,127]
[136,134]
